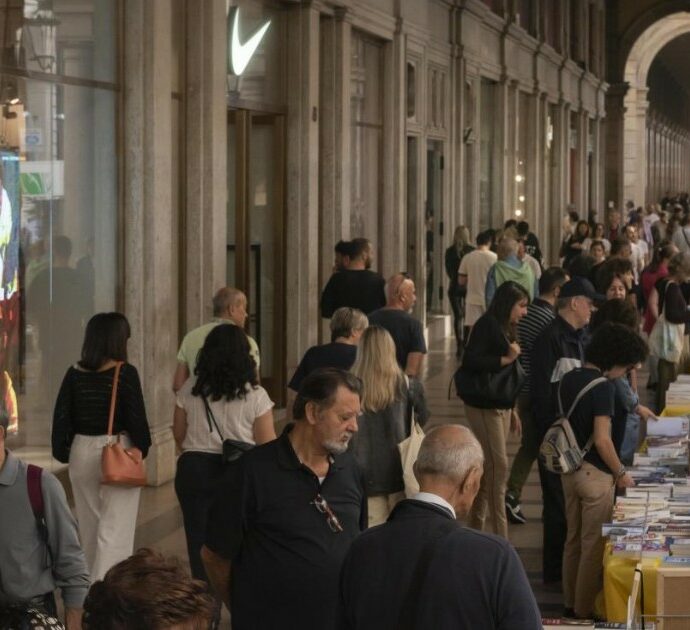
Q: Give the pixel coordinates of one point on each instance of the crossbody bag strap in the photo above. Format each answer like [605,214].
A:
[582,392]
[210,418]
[113,398]
[34,487]
[410,607]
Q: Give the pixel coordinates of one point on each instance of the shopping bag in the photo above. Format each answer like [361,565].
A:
[409,449]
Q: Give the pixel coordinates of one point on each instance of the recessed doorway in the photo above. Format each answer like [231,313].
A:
[255,239]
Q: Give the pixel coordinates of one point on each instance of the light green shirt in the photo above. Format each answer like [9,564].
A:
[194,340]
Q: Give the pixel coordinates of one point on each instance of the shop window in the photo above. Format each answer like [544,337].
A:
[367,132]
[495,5]
[552,24]
[525,15]
[575,26]
[442,99]
[411,89]
[593,22]
[433,98]
[521,203]
[59,207]
[490,214]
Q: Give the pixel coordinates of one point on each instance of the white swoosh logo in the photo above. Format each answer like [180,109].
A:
[241,54]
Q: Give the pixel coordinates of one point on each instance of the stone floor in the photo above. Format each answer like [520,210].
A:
[160,522]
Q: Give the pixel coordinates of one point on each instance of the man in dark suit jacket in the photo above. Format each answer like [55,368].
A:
[423,570]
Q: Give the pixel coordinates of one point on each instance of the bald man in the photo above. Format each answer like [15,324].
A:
[229,307]
[407,332]
[422,569]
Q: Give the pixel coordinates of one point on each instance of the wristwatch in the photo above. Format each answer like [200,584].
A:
[621,472]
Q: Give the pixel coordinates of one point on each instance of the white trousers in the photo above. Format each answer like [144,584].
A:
[107,515]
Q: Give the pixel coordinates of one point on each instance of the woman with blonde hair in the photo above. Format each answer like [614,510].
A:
[387,402]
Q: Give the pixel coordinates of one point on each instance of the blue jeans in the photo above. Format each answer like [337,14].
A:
[630,440]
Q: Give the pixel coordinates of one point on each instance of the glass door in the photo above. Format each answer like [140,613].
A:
[255,239]
[433,220]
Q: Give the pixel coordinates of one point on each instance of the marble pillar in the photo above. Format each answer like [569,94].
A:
[615,112]
[302,277]
[149,289]
[205,224]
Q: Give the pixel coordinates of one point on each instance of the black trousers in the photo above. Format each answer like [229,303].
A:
[457,303]
[196,481]
[554,523]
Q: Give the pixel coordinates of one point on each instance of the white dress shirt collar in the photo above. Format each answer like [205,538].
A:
[428,497]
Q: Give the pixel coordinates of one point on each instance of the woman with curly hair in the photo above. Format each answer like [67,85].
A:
[223,400]
[148,591]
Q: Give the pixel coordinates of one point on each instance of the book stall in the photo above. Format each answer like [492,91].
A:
[647,558]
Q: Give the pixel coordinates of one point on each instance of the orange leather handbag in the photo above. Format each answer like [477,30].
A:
[120,466]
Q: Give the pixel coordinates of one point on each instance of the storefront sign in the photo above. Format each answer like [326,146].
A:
[240,54]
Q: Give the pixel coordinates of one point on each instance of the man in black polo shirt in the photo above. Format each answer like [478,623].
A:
[287,513]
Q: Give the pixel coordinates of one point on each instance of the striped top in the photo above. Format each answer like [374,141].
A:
[83,405]
[539,314]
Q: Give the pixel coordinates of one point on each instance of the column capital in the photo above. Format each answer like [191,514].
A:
[342,14]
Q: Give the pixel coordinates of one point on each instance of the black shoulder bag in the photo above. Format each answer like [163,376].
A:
[232,449]
[495,389]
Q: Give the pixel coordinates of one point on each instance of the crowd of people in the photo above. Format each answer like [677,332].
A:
[275,524]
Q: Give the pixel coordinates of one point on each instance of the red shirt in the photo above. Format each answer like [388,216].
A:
[648,279]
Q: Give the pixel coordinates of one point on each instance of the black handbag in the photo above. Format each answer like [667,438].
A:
[491,390]
[232,449]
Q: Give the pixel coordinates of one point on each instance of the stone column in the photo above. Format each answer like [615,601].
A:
[533,153]
[302,286]
[206,128]
[615,112]
[582,181]
[455,152]
[505,138]
[393,217]
[335,126]
[597,193]
[149,290]
[635,145]
[560,165]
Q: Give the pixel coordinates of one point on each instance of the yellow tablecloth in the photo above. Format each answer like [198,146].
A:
[677,410]
[619,572]
[618,579]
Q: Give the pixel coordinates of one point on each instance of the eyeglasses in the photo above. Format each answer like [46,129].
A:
[332,520]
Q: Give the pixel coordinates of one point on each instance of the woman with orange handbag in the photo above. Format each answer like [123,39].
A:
[106,513]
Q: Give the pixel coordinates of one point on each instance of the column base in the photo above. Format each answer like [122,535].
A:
[161,460]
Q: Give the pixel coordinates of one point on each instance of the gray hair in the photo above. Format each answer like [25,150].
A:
[451,457]
[345,320]
[224,299]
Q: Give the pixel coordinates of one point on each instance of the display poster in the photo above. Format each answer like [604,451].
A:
[10,291]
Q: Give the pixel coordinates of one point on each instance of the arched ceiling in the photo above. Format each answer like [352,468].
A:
[675,57]
[650,43]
